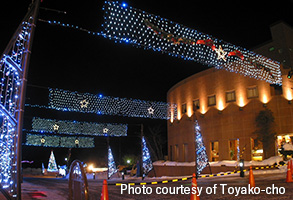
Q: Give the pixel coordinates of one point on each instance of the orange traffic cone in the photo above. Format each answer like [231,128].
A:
[194,190]
[291,165]
[251,178]
[104,195]
[289,173]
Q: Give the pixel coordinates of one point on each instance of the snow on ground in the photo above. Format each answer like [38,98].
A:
[288,147]
[269,161]
[230,163]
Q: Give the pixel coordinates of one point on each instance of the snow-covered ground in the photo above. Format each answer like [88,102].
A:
[288,147]
[230,163]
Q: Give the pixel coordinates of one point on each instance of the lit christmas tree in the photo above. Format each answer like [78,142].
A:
[52,166]
[111,163]
[147,164]
[201,154]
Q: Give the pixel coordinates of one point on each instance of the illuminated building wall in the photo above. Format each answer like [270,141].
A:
[226,105]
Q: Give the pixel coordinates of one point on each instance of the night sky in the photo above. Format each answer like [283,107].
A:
[74,60]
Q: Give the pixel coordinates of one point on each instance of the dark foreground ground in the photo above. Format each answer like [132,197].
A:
[55,189]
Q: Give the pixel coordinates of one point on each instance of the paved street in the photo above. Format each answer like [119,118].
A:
[52,188]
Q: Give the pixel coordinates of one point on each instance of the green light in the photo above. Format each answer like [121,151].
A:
[290,74]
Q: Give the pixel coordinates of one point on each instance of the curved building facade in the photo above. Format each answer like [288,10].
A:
[226,105]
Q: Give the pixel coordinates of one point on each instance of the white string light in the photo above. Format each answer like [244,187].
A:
[59,141]
[105,105]
[149,31]
[78,128]
[200,150]
[111,163]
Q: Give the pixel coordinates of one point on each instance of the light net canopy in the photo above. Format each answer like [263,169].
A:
[126,24]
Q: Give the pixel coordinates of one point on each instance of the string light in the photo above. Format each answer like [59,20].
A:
[59,141]
[11,80]
[142,29]
[147,164]
[201,154]
[111,163]
[58,23]
[78,128]
[89,103]
[52,166]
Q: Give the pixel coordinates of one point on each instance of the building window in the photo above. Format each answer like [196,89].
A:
[252,92]
[256,149]
[234,150]
[195,104]
[183,109]
[215,151]
[212,100]
[230,96]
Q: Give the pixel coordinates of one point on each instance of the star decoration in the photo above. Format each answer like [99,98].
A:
[151,110]
[221,53]
[43,140]
[55,127]
[84,103]
[105,130]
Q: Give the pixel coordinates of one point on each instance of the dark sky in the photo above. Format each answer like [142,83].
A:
[74,60]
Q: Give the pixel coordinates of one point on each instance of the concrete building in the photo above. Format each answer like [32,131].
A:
[226,105]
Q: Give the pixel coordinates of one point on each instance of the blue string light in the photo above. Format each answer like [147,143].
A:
[11,79]
[147,164]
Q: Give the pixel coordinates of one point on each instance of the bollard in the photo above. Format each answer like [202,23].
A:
[241,165]
[122,175]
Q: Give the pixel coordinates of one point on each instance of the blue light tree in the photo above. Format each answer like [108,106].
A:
[52,166]
[147,164]
[111,163]
[201,153]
